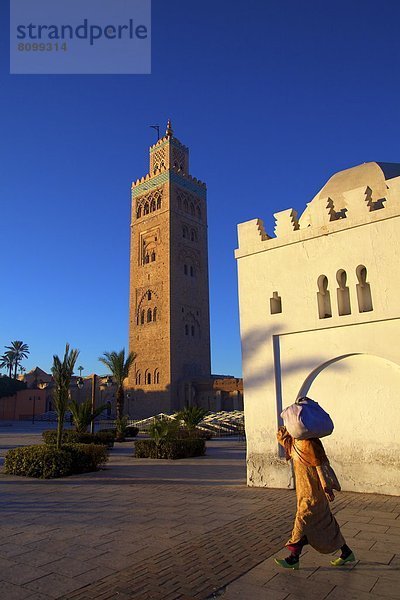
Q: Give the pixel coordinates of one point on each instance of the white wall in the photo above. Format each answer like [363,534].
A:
[281,350]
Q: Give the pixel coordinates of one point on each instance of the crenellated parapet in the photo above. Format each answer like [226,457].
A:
[252,234]
[286,222]
[366,193]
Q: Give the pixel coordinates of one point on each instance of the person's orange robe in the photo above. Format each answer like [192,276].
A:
[315,481]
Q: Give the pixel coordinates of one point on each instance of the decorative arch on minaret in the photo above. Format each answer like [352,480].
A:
[148,309]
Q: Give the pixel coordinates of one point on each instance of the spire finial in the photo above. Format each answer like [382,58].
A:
[169,131]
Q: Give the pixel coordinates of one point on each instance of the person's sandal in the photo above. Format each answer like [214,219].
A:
[285,565]
[339,562]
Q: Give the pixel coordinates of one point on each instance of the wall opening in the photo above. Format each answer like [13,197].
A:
[343,293]
[275,303]
[323,298]
[363,290]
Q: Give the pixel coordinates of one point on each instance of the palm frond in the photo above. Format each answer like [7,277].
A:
[117,364]
[62,371]
[82,414]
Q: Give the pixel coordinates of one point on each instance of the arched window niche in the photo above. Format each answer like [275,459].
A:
[323,298]
[343,293]
[363,290]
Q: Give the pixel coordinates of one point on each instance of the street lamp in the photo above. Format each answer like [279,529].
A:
[105,383]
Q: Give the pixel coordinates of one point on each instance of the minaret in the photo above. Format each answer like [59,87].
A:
[169,325]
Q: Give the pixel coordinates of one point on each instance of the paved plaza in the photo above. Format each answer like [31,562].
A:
[179,530]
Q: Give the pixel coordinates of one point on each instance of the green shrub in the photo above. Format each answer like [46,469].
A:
[183,433]
[46,462]
[164,429]
[73,437]
[131,431]
[104,438]
[108,430]
[87,457]
[170,449]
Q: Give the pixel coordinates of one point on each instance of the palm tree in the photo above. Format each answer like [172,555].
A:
[161,429]
[119,368]
[62,372]
[7,362]
[19,351]
[191,416]
[82,414]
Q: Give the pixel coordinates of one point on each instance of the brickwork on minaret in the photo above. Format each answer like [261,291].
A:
[169,325]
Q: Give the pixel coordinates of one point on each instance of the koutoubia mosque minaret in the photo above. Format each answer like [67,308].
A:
[169,327]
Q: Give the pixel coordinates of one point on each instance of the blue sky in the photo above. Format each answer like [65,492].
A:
[271,97]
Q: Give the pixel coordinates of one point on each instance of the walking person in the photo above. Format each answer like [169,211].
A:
[314,523]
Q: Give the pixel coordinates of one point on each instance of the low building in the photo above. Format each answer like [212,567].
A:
[38,398]
[24,405]
[320,316]
[214,393]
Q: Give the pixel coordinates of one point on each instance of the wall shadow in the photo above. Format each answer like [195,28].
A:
[255,341]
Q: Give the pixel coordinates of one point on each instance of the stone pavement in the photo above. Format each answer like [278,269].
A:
[180,530]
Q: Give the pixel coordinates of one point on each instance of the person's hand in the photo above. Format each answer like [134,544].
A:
[280,434]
